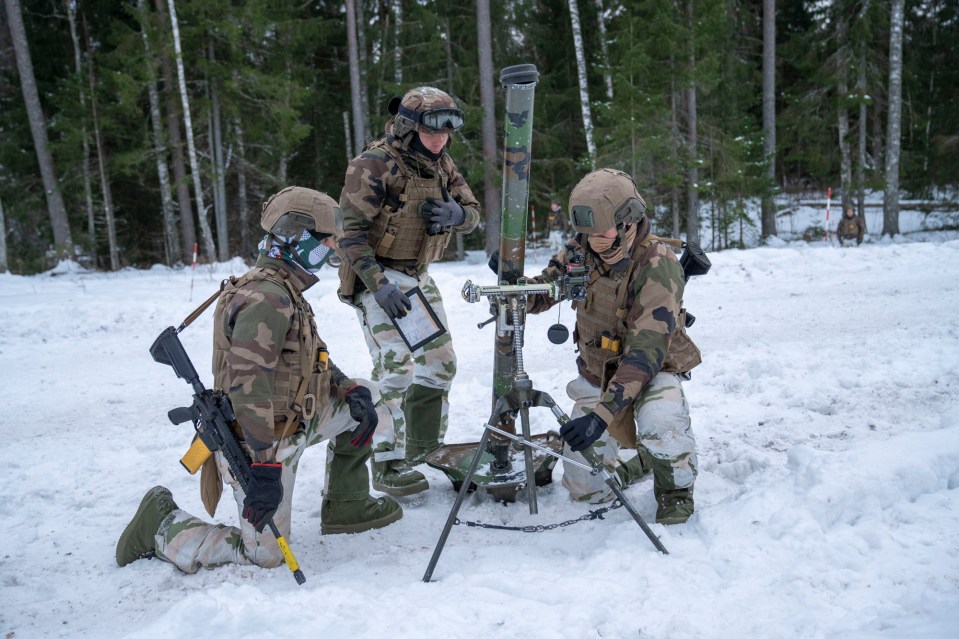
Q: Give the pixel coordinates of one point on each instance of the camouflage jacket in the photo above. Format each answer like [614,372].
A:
[262,326]
[853,226]
[649,328]
[373,182]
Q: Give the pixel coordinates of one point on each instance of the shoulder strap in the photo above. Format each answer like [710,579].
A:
[205,305]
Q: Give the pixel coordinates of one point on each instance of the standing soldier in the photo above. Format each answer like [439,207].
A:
[851,228]
[557,226]
[287,395]
[401,200]
[633,348]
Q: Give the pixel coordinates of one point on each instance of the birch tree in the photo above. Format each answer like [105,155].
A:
[769,116]
[604,49]
[890,201]
[397,42]
[56,209]
[583,86]
[170,239]
[359,133]
[484,50]
[187,223]
[191,148]
[842,69]
[84,134]
[217,162]
[692,186]
[105,189]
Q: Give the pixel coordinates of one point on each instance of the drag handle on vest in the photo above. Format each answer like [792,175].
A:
[212,415]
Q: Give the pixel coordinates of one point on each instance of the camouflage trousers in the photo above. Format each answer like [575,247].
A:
[190,543]
[396,369]
[662,420]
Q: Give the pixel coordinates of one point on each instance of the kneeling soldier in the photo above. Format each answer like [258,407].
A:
[287,395]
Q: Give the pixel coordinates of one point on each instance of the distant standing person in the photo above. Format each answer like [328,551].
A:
[851,227]
[402,199]
[557,226]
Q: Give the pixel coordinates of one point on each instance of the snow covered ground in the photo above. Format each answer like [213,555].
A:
[828,437]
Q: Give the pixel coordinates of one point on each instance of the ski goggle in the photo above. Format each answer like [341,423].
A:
[438,119]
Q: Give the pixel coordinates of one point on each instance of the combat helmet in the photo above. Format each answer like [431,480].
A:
[605,199]
[424,109]
[296,209]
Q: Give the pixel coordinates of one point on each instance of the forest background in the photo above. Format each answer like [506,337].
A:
[149,130]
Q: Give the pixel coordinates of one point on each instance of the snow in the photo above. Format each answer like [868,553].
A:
[828,440]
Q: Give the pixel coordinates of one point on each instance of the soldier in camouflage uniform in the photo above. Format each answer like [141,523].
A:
[287,396]
[633,348]
[402,199]
[851,228]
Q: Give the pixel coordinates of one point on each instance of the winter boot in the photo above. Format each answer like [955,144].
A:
[634,469]
[396,477]
[673,506]
[423,407]
[138,540]
[358,515]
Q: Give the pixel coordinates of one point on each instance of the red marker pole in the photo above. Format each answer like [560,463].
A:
[193,274]
[532,210]
[828,200]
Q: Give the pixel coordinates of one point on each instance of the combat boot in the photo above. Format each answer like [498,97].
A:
[634,469]
[358,515]
[395,477]
[423,409]
[138,540]
[673,506]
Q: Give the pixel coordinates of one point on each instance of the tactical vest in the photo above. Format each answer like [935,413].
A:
[848,227]
[399,232]
[302,379]
[601,321]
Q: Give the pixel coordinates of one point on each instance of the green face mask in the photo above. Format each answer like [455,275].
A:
[310,251]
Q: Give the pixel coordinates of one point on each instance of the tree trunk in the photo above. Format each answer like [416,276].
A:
[769,117]
[171,241]
[890,203]
[359,134]
[187,223]
[842,89]
[583,86]
[674,144]
[491,194]
[3,241]
[102,162]
[360,10]
[85,135]
[57,211]
[692,188]
[604,49]
[861,162]
[191,148]
[246,246]
[219,168]
[397,43]
[348,137]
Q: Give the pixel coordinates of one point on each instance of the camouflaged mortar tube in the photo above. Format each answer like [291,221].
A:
[520,84]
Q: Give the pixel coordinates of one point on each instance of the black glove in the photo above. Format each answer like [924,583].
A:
[579,433]
[442,214]
[493,263]
[392,300]
[263,494]
[362,411]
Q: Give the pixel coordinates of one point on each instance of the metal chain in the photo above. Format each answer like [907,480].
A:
[591,515]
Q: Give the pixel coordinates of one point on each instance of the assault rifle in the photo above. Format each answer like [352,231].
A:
[211,414]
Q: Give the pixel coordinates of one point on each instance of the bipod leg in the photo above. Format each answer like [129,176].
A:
[528,458]
[597,464]
[464,489]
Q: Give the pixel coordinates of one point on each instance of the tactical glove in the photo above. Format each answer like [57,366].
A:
[264,492]
[442,214]
[392,300]
[362,411]
[581,432]
[493,263]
